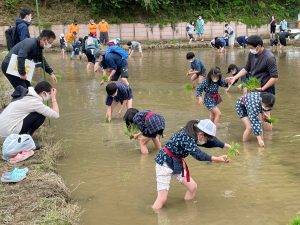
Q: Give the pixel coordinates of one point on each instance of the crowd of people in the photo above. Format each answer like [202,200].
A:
[26,113]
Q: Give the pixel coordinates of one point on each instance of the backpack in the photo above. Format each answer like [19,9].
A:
[90,41]
[116,49]
[12,37]
[16,143]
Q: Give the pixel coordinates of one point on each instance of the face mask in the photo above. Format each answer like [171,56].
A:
[29,19]
[215,80]
[191,61]
[47,45]
[253,51]
[233,72]
[47,97]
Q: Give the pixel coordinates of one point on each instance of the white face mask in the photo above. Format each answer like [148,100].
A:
[47,97]
[47,45]
[201,142]
[233,72]
[191,61]
[253,51]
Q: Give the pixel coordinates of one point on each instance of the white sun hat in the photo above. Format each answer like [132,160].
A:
[207,126]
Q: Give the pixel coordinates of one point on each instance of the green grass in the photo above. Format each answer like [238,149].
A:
[295,221]
[251,84]
[131,130]
[188,86]
[233,151]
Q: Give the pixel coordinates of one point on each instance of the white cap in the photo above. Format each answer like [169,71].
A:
[62,35]
[207,126]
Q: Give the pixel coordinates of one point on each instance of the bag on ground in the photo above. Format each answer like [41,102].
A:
[16,143]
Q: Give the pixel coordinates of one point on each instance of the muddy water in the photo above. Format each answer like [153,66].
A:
[115,185]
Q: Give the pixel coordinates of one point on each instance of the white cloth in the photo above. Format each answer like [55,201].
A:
[11,119]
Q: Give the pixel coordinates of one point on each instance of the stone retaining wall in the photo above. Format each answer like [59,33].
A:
[142,32]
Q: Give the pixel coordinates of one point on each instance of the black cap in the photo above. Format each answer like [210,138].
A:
[230,67]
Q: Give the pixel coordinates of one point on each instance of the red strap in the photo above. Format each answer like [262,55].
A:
[216,97]
[181,160]
[149,114]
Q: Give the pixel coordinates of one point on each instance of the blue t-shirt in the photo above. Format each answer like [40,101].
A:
[198,66]
[113,61]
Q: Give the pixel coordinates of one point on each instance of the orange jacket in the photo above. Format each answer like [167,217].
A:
[70,38]
[92,28]
[103,27]
[73,28]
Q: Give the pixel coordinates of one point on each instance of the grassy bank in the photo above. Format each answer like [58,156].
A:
[145,11]
[42,198]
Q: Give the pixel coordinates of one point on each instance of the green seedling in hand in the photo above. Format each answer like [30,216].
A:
[131,130]
[188,86]
[251,84]
[233,151]
[58,76]
[104,78]
[271,120]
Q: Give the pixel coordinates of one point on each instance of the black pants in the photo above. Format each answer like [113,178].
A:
[15,81]
[103,37]
[32,122]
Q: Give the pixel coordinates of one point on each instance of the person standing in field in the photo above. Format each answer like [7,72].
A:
[231,35]
[262,65]
[92,28]
[23,23]
[200,26]
[103,28]
[272,27]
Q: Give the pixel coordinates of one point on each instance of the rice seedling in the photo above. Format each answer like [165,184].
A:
[188,86]
[251,84]
[131,130]
[271,120]
[104,78]
[295,221]
[58,76]
[233,150]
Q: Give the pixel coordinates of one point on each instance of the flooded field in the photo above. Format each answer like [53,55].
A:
[115,184]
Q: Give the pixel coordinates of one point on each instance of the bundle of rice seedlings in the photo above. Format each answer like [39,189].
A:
[295,221]
[131,130]
[188,86]
[233,151]
[58,76]
[104,78]
[251,84]
[271,120]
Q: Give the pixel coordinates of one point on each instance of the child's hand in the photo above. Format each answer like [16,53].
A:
[136,136]
[222,158]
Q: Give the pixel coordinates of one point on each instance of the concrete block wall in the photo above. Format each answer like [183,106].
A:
[143,32]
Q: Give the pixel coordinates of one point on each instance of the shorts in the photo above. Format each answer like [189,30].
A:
[191,36]
[153,135]
[272,29]
[90,55]
[123,73]
[282,41]
[164,175]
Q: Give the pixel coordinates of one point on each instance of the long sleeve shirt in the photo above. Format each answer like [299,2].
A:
[182,145]
[28,49]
